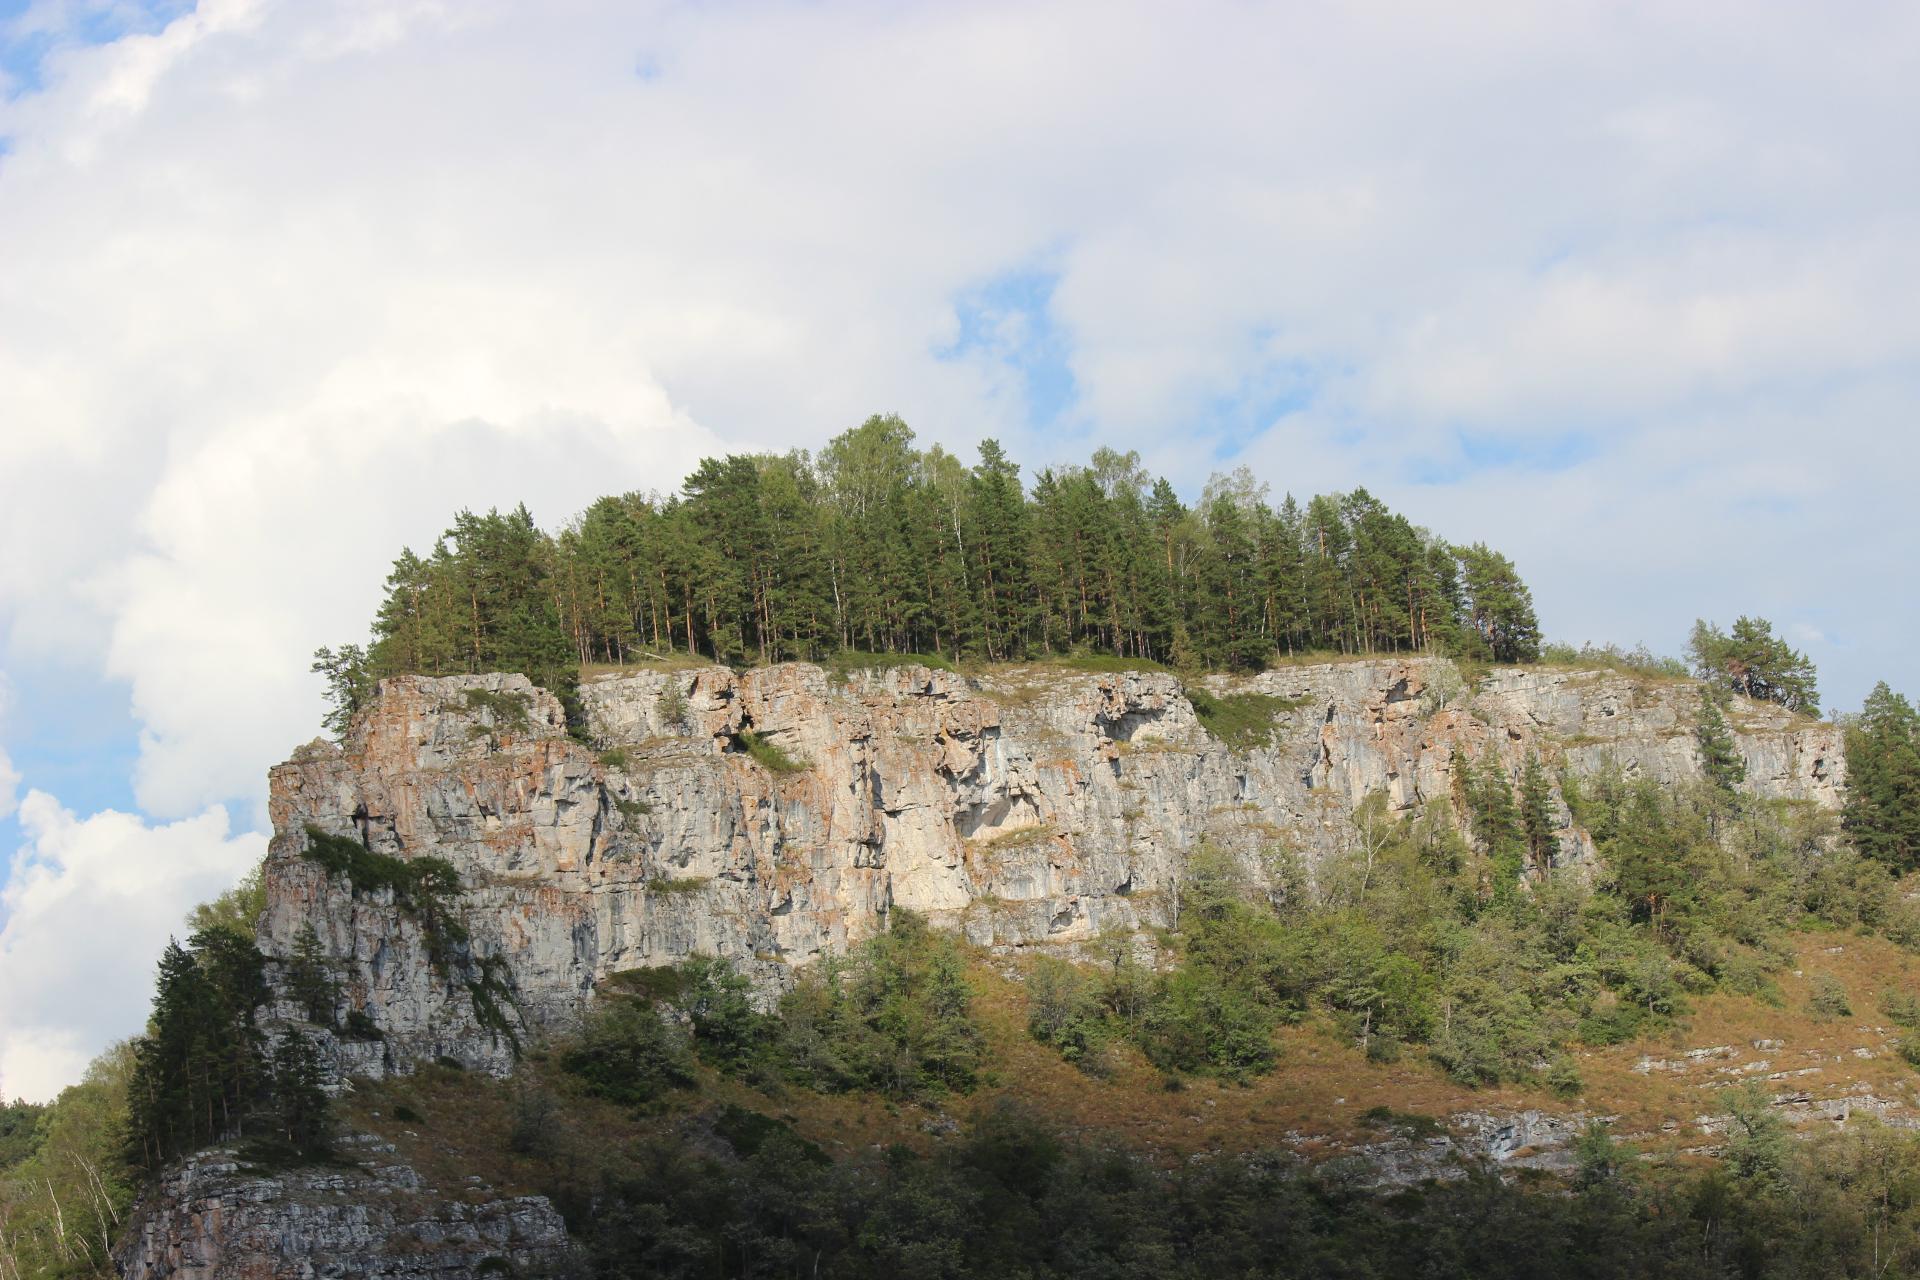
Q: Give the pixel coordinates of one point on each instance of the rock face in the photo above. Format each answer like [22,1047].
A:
[209,1220]
[779,814]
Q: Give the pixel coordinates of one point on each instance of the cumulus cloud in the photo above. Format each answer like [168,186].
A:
[88,905]
[1623,290]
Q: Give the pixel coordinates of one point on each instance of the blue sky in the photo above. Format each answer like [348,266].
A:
[1622,290]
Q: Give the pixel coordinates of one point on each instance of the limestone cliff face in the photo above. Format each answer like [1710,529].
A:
[1032,806]
[210,1219]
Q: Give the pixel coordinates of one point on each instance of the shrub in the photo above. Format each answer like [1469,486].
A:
[1241,720]
[627,1053]
[768,755]
[1827,998]
[506,708]
[894,1015]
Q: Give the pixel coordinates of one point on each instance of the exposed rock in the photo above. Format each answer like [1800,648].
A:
[210,1219]
[1028,807]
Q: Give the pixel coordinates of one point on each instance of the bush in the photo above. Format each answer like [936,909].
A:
[627,1053]
[768,755]
[1241,720]
[1827,998]
[894,1016]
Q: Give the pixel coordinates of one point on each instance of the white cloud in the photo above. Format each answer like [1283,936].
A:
[88,905]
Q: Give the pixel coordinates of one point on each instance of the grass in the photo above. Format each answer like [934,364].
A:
[768,755]
[616,758]
[1323,1099]
[844,664]
[675,661]
[677,884]
[1017,838]
[1103,663]
[1241,720]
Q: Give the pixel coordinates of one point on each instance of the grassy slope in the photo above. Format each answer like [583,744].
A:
[1314,1101]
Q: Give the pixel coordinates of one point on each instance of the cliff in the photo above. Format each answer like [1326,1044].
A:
[212,1219]
[776,815]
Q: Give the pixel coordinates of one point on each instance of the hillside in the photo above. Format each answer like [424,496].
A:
[1112,819]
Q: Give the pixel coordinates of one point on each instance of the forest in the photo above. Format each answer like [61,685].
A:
[878,547]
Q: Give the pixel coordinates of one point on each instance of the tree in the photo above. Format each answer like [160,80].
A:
[299,1106]
[1499,824]
[350,685]
[876,546]
[310,979]
[1720,758]
[1883,779]
[1537,817]
[1500,607]
[1752,662]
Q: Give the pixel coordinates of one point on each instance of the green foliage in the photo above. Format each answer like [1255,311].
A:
[873,552]
[894,1016]
[1241,720]
[299,1111]
[1757,1139]
[1883,779]
[1753,662]
[203,1074]
[1588,657]
[768,755]
[310,979]
[1500,623]
[507,708]
[614,758]
[64,1189]
[677,884]
[628,1053]
[1538,818]
[1065,1009]
[19,1131]
[1012,1197]
[673,705]
[1500,826]
[421,887]
[350,684]
[727,1030]
[237,910]
[1827,997]
[1720,759]
[1406,938]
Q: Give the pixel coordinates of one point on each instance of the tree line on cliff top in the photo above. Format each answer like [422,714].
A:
[879,547]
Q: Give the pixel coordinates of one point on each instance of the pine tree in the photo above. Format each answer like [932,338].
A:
[299,1107]
[1883,779]
[1720,758]
[1754,663]
[1498,823]
[877,546]
[310,978]
[1537,815]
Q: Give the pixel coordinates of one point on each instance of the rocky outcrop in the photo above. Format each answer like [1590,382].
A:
[211,1219]
[779,814]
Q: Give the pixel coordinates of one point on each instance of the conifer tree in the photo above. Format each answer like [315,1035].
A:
[310,978]
[1537,814]
[1720,758]
[1883,779]
[876,545]
[1754,663]
[1498,823]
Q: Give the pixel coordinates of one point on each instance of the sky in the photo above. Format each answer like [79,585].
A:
[1623,289]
